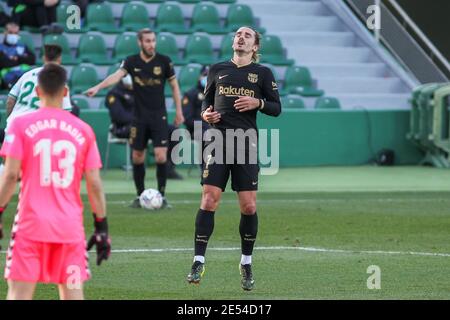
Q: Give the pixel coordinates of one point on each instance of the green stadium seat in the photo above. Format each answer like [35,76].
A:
[205,18]
[2,103]
[226,50]
[99,17]
[239,15]
[30,29]
[153,1]
[167,45]
[82,103]
[272,51]
[92,48]
[292,102]
[297,80]
[112,69]
[189,1]
[125,45]
[188,77]
[61,13]
[327,103]
[82,78]
[169,18]
[199,49]
[119,1]
[135,17]
[27,40]
[63,42]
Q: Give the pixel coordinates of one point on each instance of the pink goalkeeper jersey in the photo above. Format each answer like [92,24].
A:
[55,149]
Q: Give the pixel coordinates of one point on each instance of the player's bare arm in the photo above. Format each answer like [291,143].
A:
[100,237]
[109,81]
[176,93]
[10,102]
[8,181]
[95,192]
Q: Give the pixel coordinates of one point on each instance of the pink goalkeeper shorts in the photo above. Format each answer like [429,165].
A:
[59,263]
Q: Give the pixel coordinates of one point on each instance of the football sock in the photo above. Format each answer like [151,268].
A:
[199,259]
[246,259]
[248,228]
[161,176]
[139,177]
[204,226]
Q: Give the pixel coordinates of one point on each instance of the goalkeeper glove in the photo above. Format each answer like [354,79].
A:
[101,239]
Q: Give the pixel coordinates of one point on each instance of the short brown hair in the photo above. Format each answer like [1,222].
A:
[144,31]
[52,52]
[52,78]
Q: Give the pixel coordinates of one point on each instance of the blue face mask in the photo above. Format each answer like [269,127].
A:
[12,39]
[203,82]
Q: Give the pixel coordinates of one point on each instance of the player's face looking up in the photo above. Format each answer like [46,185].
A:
[148,44]
[245,41]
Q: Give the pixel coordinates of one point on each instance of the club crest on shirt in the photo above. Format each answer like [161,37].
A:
[111,99]
[201,96]
[253,77]
[157,70]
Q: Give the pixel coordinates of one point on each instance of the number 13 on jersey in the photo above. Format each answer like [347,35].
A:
[45,149]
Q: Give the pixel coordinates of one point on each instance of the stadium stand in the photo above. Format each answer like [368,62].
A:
[125,45]
[313,56]
[205,18]
[318,37]
[134,17]
[292,102]
[327,103]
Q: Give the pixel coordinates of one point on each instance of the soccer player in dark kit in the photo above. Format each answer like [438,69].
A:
[149,71]
[235,92]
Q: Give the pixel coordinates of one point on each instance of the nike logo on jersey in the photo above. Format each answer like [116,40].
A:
[254,183]
[221,77]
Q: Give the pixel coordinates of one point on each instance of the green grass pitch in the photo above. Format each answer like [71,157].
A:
[320,229]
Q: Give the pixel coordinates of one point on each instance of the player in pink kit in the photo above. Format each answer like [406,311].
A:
[51,149]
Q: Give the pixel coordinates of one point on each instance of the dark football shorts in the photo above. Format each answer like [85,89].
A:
[140,133]
[244,176]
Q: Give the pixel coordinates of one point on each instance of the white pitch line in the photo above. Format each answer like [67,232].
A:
[281,248]
[277,201]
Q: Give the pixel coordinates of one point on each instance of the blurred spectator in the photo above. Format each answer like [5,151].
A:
[192,107]
[120,103]
[36,13]
[15,57]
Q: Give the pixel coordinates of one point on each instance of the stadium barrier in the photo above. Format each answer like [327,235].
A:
[309,137]
[429,123]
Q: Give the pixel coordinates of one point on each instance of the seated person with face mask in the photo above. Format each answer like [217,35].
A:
[120,103]
[15,57]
